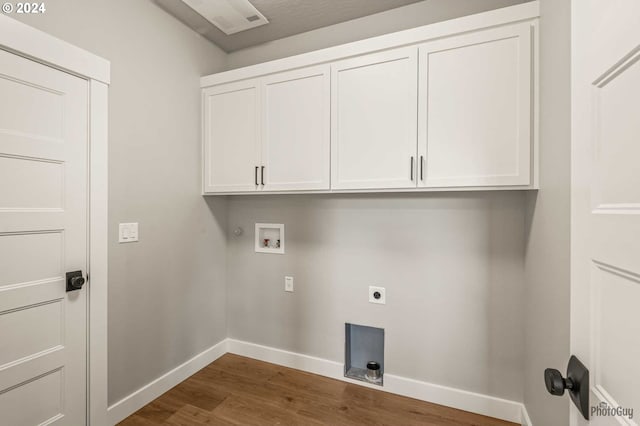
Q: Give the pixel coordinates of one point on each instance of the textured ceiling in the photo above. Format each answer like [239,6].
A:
[286,18]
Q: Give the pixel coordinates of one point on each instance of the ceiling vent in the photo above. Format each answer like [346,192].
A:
[230,16]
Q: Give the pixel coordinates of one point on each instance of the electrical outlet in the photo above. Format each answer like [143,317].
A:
[288,284]
[128,232]
[377,295]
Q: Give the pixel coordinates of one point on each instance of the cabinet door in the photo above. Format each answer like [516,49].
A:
[475,109]
[296,130]
[374,121]
[231,151]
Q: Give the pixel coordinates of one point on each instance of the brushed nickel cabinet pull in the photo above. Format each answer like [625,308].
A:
[411,175]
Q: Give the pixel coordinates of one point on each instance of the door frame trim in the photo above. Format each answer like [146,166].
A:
[41,47]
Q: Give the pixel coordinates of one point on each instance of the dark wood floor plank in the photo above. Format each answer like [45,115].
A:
[413,409]
[189,415]
[247,367]
[200,394]
[240,391]
[136,420]
[309,384]
[254,412]
[158,411]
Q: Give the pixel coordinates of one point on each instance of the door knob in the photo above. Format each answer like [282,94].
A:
[75,280]
[555,383]
[576,382]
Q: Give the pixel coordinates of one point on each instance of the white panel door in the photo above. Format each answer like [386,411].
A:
[231,137]
[605,276]
[43,235]
[296,130]
[475,109]
[374,121]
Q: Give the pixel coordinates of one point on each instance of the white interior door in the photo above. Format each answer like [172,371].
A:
[605,293]
[43,235]
[475,109]
[232,137]
[374,120]
[296,130]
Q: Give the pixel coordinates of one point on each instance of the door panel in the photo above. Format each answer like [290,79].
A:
[43,234]
[231,137]
[475,109]
[37,183]
[616,320]
[46,391]
[46,337]
[616,103]
[374,121]
[605,292]
[36,256]
[296,130]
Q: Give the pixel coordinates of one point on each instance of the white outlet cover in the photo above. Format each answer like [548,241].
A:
[128,232]
[382,300]
[288,284]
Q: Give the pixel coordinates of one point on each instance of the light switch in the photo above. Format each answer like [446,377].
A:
[128,232]
[288,284]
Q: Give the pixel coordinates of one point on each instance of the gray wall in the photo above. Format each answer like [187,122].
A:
[451,265]
[547,258]
[167,292]
[402,18]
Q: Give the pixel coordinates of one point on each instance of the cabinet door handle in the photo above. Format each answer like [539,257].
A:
[421,167]
[256,176]
[262,175]
[411,173]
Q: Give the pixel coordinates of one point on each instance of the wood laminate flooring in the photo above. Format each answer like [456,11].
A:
[235,390]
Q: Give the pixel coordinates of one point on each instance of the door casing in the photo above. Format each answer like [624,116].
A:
[23,40]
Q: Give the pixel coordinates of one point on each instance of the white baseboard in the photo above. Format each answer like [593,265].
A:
[468,401]
[456,398]
[132,403]
[526,420]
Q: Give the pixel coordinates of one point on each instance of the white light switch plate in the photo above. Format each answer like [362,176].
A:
[288,284]
[380,292]
[128,232]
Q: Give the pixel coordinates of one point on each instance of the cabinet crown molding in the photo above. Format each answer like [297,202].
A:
[494,18]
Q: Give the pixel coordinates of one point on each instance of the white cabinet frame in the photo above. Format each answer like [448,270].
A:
[247,174]
[304,182]
[404,175]
[524,139]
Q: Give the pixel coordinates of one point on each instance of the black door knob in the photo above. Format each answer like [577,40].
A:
[555,383]
[576,382]
[75,280]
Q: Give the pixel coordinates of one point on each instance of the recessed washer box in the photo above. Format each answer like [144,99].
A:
[269,238]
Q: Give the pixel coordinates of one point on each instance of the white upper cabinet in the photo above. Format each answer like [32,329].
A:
[449,106]
[268,134]
[296,130]
[231,151]
[374,121]
[476,109]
